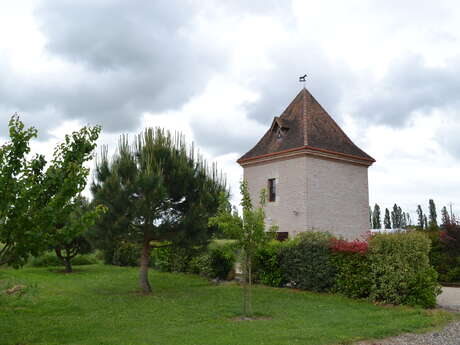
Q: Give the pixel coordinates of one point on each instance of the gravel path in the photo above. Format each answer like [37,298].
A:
[450,298]
[450,335]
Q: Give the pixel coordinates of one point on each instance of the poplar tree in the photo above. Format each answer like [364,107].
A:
[445,217]
[408,219]
[376,221]
[433,220]
[420,217]
[396,217]
[387,220]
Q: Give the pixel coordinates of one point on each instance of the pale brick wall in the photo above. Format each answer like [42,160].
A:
[291,189]
[314,193]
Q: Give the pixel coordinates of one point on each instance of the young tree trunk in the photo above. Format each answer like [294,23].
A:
[247,307]
[143,274]
[68,265]
[65,260]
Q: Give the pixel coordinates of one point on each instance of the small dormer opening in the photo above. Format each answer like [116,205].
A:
[279,133]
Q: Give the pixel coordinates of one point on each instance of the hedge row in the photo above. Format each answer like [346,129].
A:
[215,261]
[387,268]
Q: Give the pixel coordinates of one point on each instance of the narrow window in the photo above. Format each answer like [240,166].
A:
[282,236]
[271,190]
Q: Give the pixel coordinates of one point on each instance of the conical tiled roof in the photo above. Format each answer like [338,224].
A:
[305,125]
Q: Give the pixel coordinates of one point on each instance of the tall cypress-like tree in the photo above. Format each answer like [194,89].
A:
[396,216]
[433,220]
[408,219]
[157,193]
[425,222]
[376,221]
[445,217]
[420,217]
[387,220]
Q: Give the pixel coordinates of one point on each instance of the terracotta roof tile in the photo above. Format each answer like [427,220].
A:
[305,123]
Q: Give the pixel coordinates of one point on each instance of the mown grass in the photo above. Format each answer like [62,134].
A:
[100,305]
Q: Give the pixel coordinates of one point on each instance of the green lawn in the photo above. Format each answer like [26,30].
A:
[99,305]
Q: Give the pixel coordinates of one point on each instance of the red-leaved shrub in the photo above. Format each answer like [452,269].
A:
[355,246]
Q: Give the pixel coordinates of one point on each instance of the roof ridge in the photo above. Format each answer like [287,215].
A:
[305,122]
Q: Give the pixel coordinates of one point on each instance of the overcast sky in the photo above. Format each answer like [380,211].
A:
[219,71]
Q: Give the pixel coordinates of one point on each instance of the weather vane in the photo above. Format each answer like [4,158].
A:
[302,79]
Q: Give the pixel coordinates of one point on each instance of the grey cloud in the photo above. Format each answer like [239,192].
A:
[128,58]
[409,87]
[219,140]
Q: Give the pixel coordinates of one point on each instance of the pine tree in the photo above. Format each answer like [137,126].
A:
[445,217]
[387,220]
[425,222]
[376,221]
[420,217]
[433,224]
[157,193]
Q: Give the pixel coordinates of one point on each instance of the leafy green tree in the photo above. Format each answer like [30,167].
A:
[445,217]
[69,239]
[420,217]
[157,193]
[249,232]
[18,235]
[387,220]
[433,220]
[34,200]
[376,221]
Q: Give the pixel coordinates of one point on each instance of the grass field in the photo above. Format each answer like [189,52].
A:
[100,305]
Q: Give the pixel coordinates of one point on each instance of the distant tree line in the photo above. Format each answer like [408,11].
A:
[398,219]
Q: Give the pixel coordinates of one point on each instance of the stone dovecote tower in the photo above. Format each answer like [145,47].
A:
[315,176]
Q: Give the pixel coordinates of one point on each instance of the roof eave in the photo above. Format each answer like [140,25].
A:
[309,150]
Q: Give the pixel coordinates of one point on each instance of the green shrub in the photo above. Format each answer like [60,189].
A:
[49,259]
[353,274]
[452,275]
[222,261]
[423,289]
[201,265]
[446,264]
[306,262]
[217,262]
[401,271]
[173,259]
[267,267]
[126,254]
